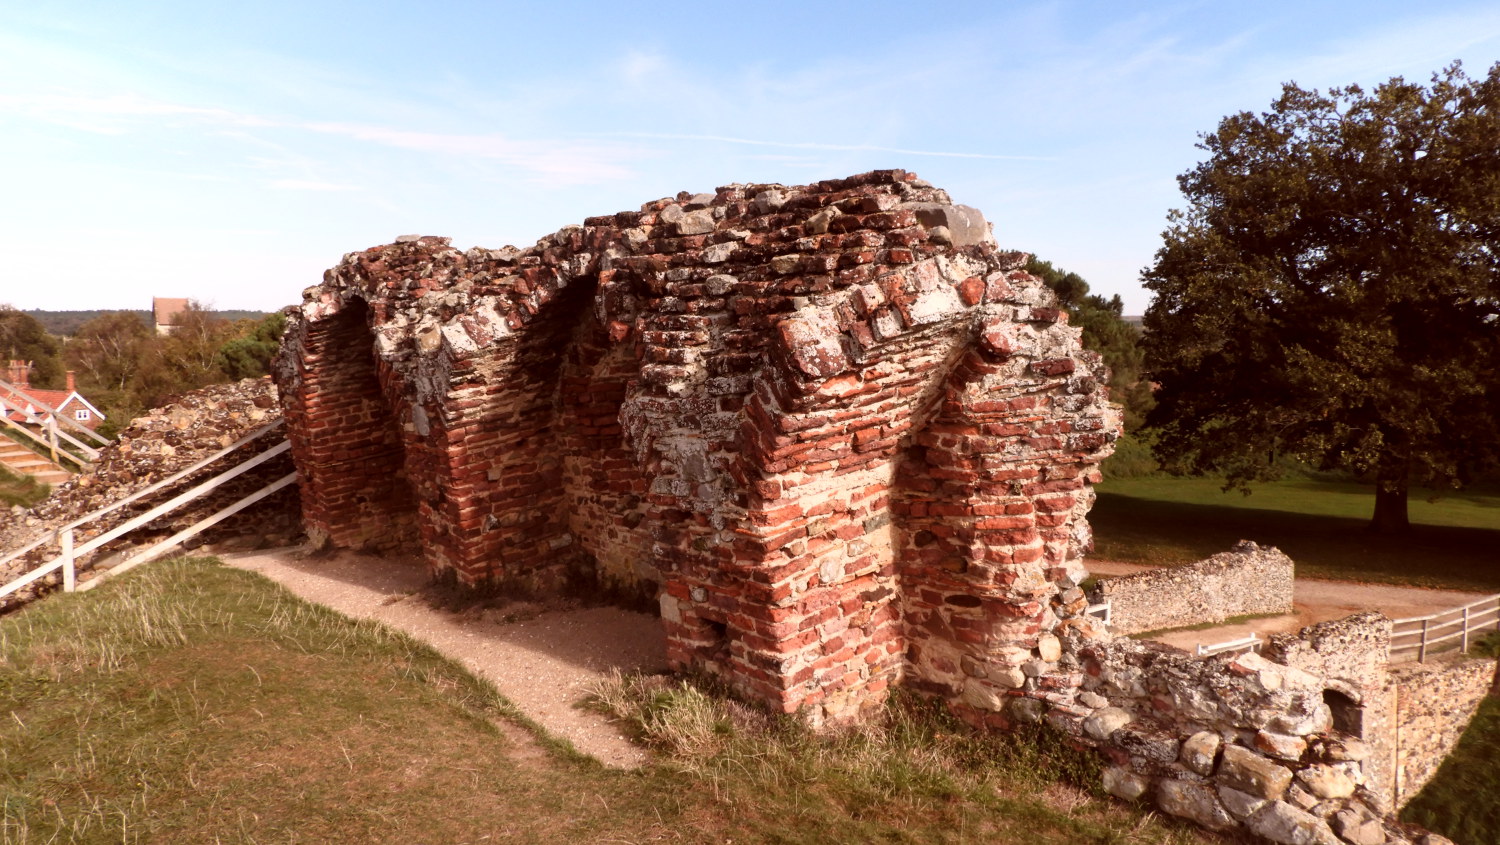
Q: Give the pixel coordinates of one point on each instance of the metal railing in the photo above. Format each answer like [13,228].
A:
[1419,635]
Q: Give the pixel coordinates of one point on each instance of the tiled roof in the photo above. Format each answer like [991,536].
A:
[34,396]
[165,309]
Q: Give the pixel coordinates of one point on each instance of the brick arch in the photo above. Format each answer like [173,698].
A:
[605,487]
[351,464]
[768,406]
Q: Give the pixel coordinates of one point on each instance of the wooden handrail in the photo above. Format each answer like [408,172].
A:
[170,505]
[1251,642]
[152,553]
[89,451]
[41,441]
[102,440]
[165,482]
[1427,631]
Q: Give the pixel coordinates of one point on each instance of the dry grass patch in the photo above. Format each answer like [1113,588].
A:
[188,702]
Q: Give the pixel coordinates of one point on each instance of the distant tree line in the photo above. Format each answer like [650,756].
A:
[67,323]
[124,367]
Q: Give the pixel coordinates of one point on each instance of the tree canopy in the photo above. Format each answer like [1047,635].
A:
[23,338]
[1332,290]
[125,367]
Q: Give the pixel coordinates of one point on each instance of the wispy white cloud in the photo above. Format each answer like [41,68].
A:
[814,145]
[563,161]
[121,106]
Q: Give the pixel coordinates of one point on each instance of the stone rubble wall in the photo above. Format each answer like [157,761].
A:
[1295,749]
[1353,656]
[1433,704]
[161,443]
[834,434]
[1247,580]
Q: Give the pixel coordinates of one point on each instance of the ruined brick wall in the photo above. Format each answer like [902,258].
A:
[842,442]
[1247,580]
[840,438]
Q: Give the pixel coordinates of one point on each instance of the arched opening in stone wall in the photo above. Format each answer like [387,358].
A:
[501,516]
[604,484]
[354,486]
[1348,715]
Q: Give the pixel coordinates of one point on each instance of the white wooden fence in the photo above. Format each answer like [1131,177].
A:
[1103,611]
[67,560]
[1250,643]
[81,453]
[1417,636]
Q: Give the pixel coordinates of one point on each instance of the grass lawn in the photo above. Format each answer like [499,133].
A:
[1454,542]
[188,702]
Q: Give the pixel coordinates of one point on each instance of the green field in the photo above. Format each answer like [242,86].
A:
[188,702]
[1454,542]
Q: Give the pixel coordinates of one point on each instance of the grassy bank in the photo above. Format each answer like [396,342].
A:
[1321,525]
[193,703]
[18,489]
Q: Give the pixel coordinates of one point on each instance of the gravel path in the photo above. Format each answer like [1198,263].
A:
[544,663]
[1313,601]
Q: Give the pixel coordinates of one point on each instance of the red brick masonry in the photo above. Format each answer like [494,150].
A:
[841,439]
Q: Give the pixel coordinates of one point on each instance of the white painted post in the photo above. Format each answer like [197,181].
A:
[52,437]
[1464,638]
[70,575]
[1422,648]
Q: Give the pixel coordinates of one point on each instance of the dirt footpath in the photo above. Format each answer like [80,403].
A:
[544,661]
[1313,601]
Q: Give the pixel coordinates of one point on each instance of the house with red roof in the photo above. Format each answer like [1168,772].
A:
[33,406]
[165,310]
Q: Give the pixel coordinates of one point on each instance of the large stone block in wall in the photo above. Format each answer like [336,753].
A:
[838,438]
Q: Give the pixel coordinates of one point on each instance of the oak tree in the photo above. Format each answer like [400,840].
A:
[1332,290]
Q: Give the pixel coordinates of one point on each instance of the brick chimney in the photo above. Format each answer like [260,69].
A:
[20,373]
[72,382]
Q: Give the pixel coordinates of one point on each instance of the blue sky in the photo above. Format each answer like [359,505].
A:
[231,152]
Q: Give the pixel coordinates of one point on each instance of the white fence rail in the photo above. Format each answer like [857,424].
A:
[83,430]
[1417,636]
[139,494]
[1103,611]
[66,561]
[1250,643]
[81,454]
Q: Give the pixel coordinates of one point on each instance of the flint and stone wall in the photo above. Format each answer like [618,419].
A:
[1248,580]
[1433,704]
[838,437]
[1319,740]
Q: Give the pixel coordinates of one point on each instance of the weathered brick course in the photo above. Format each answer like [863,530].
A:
[838,437]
